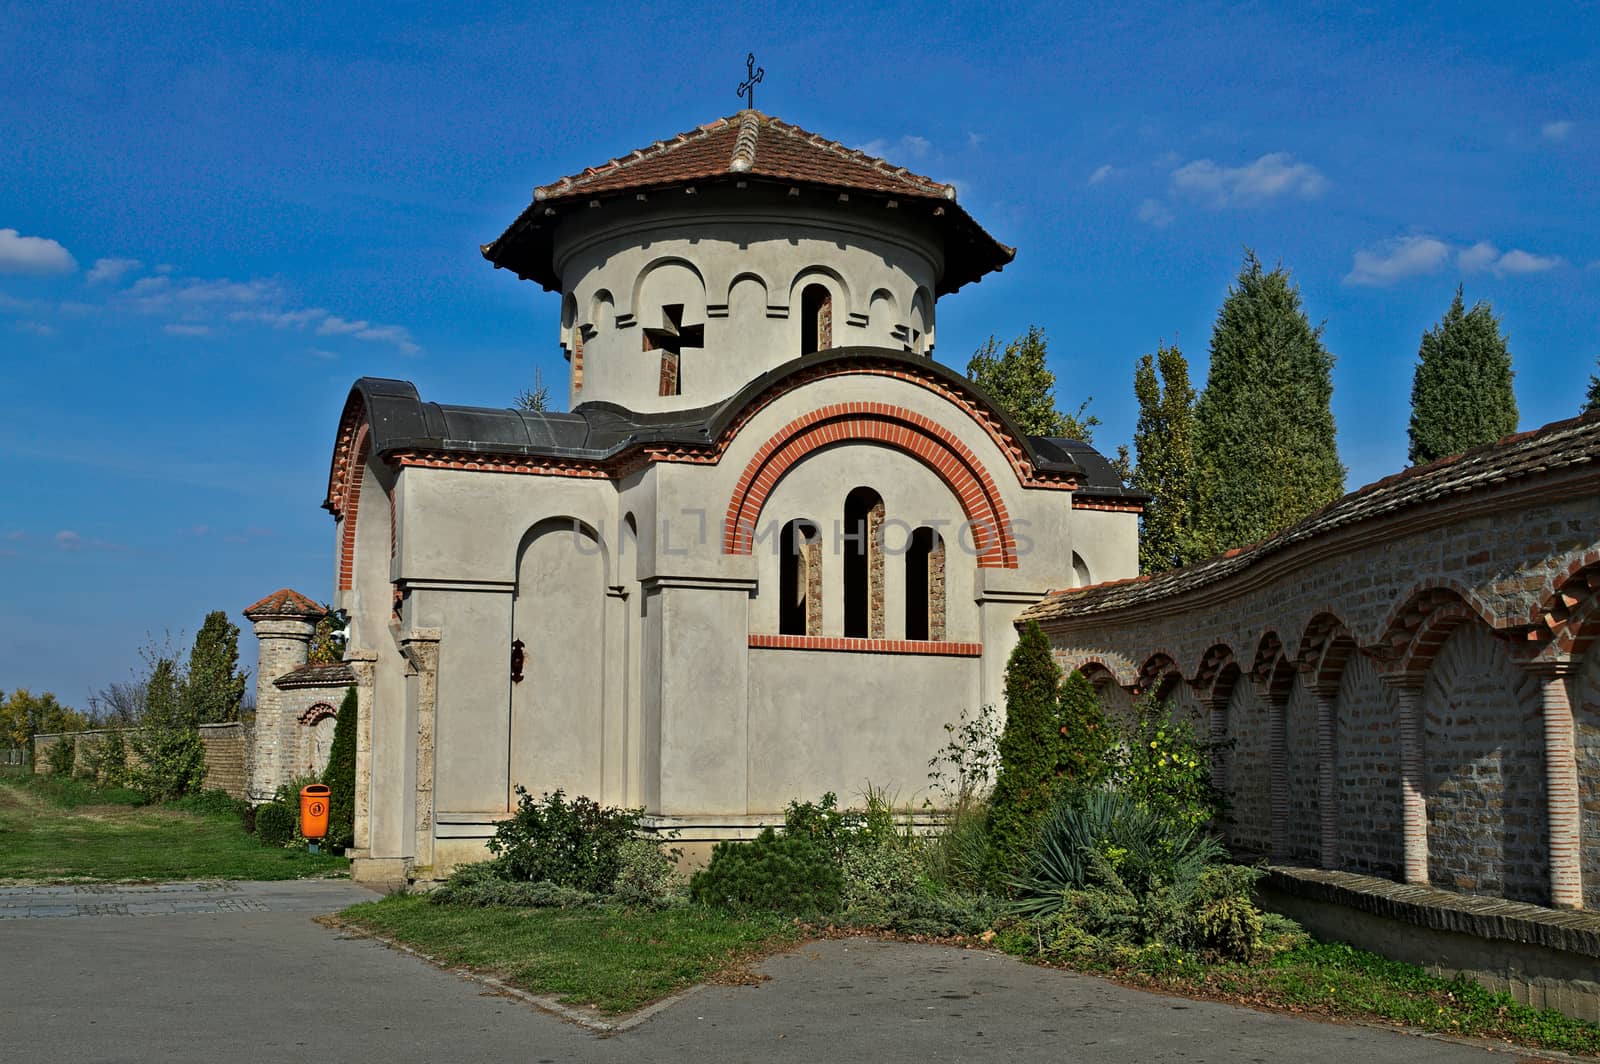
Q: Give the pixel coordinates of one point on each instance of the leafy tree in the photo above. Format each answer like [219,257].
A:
[1164,440]
[171,760]
[1083,753]
[1594,394]
[24,715]
[1030,749]
[1461,394]
[1265,453]
[340,775]
[535,400]
[213,687]
[325,649]
[1019,381]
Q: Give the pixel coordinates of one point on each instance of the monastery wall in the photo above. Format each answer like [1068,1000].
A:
[1400,686]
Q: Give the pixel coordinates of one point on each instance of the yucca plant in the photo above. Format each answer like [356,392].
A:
[1104,839]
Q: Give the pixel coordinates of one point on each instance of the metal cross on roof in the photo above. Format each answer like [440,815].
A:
[753,76]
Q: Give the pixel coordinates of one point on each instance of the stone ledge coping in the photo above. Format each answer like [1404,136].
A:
[867,646]
[1443,910]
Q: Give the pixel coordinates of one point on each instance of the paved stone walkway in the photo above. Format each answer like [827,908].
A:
[239,972]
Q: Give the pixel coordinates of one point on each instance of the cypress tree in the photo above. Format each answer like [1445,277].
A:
[1461,395]
[1030,747]
[1265,452]
[1164,442]
[214,688]
[340,775]
[1086,736]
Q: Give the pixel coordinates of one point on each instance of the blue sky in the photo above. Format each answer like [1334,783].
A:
[213,219]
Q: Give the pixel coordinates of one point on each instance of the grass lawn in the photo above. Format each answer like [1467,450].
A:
[63,832]
[610,960]
[1323,979]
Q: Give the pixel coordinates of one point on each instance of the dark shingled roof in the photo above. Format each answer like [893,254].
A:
[1561,445]
[339,674]
[1100,478]
[751,147]
[598,431]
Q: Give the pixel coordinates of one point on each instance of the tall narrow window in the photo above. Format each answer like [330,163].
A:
[863,564]
[800,579]
[816,319]
[925,585]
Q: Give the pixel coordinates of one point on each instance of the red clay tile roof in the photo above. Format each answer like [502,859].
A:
[1569,444]
[748,146]
[285,603]
[746,143]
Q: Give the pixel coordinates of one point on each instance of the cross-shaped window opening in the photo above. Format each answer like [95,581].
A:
[670,340]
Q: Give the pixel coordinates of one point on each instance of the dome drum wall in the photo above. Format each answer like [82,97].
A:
[728,284]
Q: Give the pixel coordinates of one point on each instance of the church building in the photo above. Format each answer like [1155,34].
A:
[773,548]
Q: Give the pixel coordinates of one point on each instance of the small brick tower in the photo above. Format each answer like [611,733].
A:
[284,622]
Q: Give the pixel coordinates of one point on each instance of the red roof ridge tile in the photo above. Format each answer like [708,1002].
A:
[285,602]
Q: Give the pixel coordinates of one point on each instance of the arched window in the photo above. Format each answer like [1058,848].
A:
[863,564]
[1080,572]
[816,319]
[800,579]
[925,585]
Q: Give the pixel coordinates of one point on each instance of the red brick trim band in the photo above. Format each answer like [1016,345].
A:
[1120,506]
[907,431]
[350,508]
[866,646]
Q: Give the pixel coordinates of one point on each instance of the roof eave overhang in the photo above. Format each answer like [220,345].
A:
[526,248]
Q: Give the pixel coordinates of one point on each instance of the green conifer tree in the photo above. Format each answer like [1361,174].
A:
[1030,750]
[1594,394]
[1018,380]
[214,687]
[340,775]
[1164,443]
[1461,395]
[171,760]
[1082,759]
[1265,453]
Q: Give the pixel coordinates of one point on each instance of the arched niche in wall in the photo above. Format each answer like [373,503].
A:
[747,298]
[920,337]
[883,313]
[1081,577]
[669,306]
[800,578]
[819,302]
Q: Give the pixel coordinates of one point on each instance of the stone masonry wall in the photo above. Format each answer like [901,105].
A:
[1369,781]
[1586,706]
[1471,603]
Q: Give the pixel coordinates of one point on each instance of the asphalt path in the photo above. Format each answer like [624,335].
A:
[215,972]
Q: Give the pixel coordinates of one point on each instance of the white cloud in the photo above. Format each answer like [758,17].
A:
[1154,212]
[908,146]
[181,328]
[111,270]
[1395,259]
[1409,256]
[1101,173]
[69,540]
[1272,176]
[37,328]
[975,139]
[1556,130]
[33,254]
[333,325]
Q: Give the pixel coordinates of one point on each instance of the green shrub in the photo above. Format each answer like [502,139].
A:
[795,874]
[957,856]
[963,769]
[872,875]
[171,758]
[1165,768]
[211,803]
[62,755]
[107,760]
[340,776]
[484,884]
[275,824]
[839,830]
[647,877]
[573,843]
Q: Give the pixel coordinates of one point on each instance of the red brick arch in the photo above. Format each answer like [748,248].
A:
[905,430]
[350,506]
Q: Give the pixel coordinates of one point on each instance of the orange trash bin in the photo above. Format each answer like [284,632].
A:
[314,810]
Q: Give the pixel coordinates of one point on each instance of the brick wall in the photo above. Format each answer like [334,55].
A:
[227,754]
[1369,778]
[1305,842]
[1249,775]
